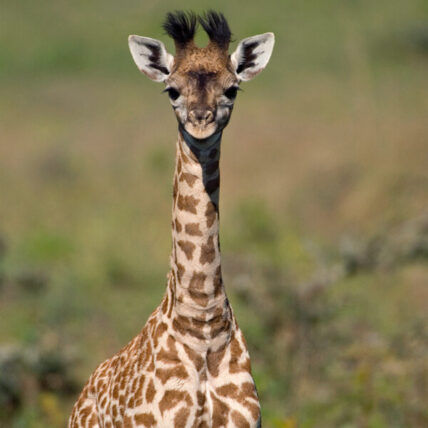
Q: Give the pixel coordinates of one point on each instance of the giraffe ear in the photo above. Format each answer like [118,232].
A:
[151,57]
[252,55]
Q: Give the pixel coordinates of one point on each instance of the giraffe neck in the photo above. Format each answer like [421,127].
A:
[200,313]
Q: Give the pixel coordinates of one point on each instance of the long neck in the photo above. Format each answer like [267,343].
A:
[201,313]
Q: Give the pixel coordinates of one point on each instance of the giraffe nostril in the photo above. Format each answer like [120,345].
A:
[208,116]
[201,116]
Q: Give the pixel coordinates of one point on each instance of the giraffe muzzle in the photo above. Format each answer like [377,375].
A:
[201,117]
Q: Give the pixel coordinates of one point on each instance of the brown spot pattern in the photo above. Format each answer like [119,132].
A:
[172,397]
[146,419]
[178,226]
[177,371]
[197,360]
[181,417]
[220,412]
[175,190]
[211,213]
[193,229]
[218,281]
[160,330]
[197,281]
[188,178]
[239,420]
[208,252]
[184,326]
[150,391]
[187,203]
[188,248]
[180,271]
[214,359]
[200,298]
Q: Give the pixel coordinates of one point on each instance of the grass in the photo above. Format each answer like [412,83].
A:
[326,151]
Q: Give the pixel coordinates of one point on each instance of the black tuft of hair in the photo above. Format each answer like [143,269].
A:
[181,26]
[217,28]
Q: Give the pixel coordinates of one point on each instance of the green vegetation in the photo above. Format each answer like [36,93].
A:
[324,205]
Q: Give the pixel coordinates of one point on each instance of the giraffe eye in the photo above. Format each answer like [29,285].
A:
[173,93]
[231,92]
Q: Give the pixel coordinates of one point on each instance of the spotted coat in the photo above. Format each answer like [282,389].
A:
[189,366]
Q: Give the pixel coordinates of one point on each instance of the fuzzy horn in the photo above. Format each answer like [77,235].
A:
[181,27]
[217,28]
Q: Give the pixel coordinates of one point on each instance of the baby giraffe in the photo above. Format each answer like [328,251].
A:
[189,366]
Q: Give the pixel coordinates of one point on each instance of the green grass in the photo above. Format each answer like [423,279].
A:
[327,149]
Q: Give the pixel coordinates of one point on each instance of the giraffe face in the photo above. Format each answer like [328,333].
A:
[202,83]
[202,89]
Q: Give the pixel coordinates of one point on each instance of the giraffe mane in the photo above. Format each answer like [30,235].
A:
[181,26]
[217,28]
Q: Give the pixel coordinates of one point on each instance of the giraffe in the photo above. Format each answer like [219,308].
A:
[189,366]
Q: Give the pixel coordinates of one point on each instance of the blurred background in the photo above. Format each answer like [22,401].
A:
[324,204]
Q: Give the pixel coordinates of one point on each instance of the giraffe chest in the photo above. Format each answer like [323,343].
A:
[192,403]
[179,387]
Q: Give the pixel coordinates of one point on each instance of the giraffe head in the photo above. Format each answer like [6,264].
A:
[202,83]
